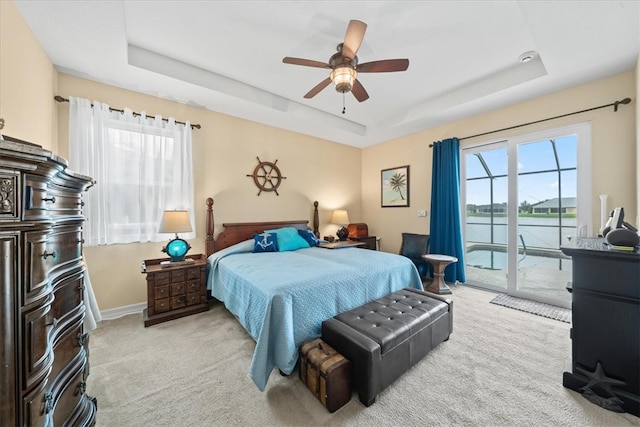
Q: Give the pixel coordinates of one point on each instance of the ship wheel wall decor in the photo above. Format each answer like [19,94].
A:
[267,176]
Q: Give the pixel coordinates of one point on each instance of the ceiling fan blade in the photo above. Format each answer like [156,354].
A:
[313,92]
[305,62]
[353,38]
[359,92]
[384,66]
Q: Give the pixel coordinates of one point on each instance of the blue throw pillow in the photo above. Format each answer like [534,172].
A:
[265,242]
[310,238]
[289,239]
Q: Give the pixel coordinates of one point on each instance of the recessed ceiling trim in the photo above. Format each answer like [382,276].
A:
[171,67]
[520,72]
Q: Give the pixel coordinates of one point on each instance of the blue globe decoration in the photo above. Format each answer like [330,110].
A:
[176,249]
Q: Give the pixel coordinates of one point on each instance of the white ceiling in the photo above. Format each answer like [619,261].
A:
[226,56]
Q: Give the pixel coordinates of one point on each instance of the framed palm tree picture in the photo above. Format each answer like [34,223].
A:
[394,187]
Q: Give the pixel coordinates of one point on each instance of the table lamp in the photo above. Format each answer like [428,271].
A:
[341,217]
[175,222]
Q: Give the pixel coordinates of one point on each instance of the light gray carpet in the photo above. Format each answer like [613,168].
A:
[500,367]
[541,309]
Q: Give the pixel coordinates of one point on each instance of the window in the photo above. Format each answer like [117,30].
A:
[142,167]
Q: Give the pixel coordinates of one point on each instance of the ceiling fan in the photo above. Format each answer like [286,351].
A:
[345,67]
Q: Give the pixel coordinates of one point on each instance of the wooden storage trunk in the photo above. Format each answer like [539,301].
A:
[358,229]
[326,373]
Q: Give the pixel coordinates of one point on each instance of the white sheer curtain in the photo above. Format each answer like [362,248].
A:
[142,166]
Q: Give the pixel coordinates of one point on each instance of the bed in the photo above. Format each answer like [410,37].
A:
[281,298]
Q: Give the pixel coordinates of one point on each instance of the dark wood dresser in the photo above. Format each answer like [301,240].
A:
[605,330]
[44,356]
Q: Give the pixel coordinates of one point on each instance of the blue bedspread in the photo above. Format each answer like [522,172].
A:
[281,298]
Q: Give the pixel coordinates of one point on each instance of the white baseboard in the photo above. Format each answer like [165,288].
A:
[114,313]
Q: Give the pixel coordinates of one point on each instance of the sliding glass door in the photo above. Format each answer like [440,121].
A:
[524,198]
[486,215]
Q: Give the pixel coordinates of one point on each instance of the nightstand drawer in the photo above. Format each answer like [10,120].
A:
[193,286]
[177,289]
[193,273]
[161,292]
[162,305]
[194,298]
[162,278]
[177,276]
[178,302]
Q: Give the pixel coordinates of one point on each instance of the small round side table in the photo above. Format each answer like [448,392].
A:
[439,262]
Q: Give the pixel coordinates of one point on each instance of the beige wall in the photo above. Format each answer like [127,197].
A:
[224,152]
[613,153]
[27,82]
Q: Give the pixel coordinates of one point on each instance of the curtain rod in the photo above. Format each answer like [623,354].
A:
[61,99]
[614,104]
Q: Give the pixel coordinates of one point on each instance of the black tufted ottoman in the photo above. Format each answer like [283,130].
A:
[385,337]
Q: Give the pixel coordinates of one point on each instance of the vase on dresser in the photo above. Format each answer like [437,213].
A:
[45,352]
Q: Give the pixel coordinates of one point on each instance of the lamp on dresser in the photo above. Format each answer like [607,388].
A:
[341,217]
[176,221]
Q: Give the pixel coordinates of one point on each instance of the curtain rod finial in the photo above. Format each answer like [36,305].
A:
[623,102]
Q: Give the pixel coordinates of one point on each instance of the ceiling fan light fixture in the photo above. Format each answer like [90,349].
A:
[344,63]
[343,77]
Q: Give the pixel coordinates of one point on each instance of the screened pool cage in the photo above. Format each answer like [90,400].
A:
[543,226]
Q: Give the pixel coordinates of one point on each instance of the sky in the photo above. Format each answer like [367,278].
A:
[533,156]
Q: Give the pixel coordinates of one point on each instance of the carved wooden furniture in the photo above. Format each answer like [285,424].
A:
[338,244]
[359,232]
[237,232]
[44,357]
[358,229]
[174,291]
[439,262]
[605,330]
[369,242]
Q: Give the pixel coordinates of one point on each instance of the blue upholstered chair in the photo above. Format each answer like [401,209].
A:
[413,246]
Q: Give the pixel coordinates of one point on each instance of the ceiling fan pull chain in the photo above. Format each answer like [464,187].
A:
[343,107]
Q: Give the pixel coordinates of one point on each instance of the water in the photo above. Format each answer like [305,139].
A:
[536,232]
[542,273]
[497,260]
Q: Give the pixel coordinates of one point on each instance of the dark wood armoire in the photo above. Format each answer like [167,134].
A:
[44,354]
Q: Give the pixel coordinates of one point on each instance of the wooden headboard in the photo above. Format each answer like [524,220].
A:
[237,232]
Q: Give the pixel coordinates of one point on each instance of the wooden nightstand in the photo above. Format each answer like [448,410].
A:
[369,242]
[174,291]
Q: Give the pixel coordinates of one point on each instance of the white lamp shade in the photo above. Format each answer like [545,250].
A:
[340,217]
[175,222]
